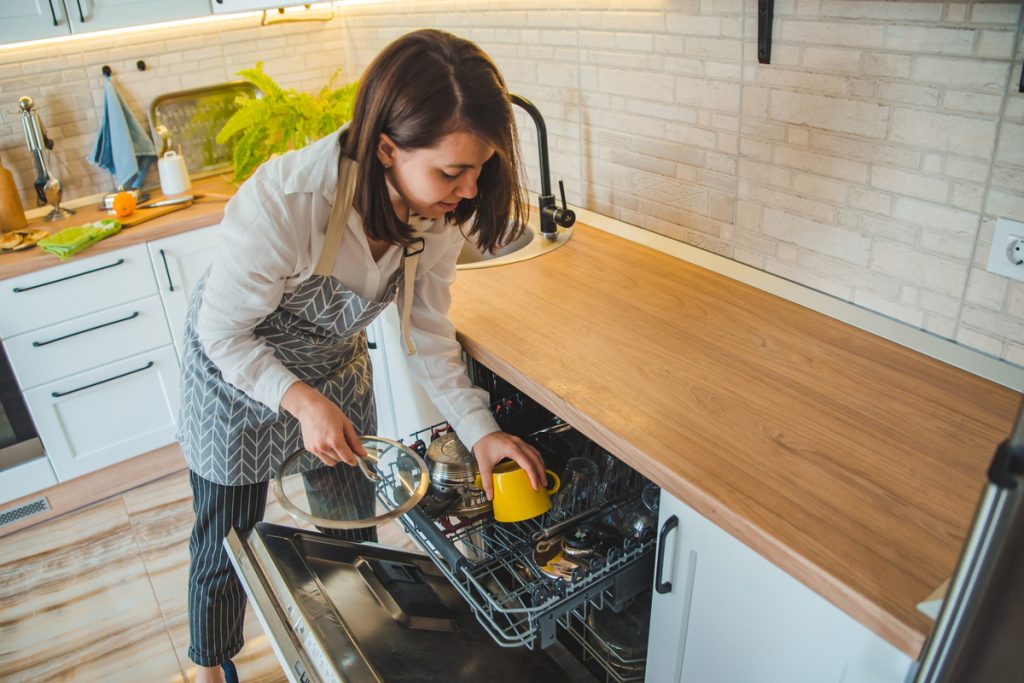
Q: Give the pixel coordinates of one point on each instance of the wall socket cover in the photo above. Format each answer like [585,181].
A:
[1007,232]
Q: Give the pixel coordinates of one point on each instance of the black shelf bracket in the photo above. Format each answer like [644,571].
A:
[765,17]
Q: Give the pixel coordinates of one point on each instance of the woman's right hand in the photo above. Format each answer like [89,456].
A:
[327,432]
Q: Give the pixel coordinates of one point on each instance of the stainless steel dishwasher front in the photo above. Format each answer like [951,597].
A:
[342,612]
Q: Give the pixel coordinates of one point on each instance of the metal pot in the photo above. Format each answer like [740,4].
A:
[453,470]
[472,502]
[450,463]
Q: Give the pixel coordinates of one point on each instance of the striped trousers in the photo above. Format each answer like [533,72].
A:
[216,599]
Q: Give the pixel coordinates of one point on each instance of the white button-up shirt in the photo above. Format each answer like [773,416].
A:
[271,238]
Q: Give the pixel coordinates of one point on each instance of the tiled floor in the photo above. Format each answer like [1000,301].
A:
[100,593]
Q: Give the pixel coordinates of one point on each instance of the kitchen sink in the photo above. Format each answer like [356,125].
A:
[529,245]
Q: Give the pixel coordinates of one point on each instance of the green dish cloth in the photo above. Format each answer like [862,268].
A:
[70,241]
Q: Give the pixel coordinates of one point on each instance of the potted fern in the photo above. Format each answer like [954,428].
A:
[281,119]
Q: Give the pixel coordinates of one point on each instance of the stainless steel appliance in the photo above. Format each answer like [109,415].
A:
[342,611]
[18,439]
[48,188]
[484,601]
[978,634]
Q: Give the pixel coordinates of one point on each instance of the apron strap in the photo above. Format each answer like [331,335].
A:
[339,216]
[336,229]
[410,259]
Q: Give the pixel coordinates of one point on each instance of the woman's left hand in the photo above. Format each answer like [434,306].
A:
[495,447]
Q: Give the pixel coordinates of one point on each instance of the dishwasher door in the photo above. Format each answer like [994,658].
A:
[337,611]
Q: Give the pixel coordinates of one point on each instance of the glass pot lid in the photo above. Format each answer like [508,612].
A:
[386,484]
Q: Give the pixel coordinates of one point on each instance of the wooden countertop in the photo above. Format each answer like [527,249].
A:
[202,213]
[852,463]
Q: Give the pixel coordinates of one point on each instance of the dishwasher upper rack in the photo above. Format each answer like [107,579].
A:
[491,565]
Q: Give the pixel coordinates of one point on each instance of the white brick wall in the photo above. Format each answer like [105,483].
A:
[869,160]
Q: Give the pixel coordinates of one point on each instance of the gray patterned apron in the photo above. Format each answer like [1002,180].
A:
[317,332]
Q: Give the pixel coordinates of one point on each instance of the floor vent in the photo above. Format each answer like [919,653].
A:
[16,514]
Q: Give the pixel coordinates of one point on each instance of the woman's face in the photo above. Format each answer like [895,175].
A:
[432,181]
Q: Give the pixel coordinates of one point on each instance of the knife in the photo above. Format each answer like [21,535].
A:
[168,202]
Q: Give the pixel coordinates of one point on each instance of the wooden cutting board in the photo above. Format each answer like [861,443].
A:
[143,215]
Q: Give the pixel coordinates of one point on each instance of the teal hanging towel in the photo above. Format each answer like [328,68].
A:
[122,148]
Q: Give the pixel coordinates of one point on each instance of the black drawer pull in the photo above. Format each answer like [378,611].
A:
[660,585]
[52,13]
[88,329]
[80,15]
[58,394]
[371,345]
[170,284]
[19,290]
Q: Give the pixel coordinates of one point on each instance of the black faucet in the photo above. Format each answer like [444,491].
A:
[550,215]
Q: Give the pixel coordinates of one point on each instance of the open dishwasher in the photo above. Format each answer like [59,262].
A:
[561,597]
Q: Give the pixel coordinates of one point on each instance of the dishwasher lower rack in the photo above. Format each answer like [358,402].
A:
[614,664]
[491,565]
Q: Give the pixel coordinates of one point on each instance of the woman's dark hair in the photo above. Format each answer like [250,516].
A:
[421,87]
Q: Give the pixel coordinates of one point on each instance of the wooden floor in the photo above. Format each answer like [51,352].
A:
[99,594]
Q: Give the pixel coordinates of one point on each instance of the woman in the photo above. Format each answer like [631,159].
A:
[313,247]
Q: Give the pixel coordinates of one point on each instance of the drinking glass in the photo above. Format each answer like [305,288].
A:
[579,480]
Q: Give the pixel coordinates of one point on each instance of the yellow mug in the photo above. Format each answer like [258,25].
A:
[514,498]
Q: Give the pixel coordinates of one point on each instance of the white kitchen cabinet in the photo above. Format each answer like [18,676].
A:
[25,478]
[22,20]
[87,341]
[51,295]
[227,6]
[90,348]
[178,263]
[99,15]
[34,19]
[724,614]
[107,414]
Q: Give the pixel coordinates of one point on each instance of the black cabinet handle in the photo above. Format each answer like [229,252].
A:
[371,345]
[80,15]
[88,329]
[52,13]
[170,284]
[19,290]
[659,585]
[147,366]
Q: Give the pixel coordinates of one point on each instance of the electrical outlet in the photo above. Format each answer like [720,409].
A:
[1006,257]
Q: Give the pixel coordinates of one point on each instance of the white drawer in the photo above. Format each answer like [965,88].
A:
[48,296]
[108,414]
[25,478]
[87,342]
